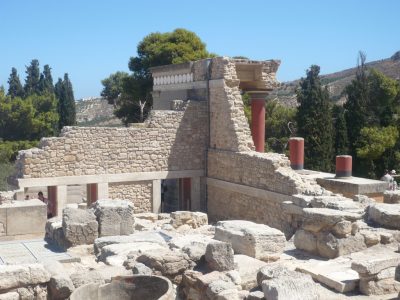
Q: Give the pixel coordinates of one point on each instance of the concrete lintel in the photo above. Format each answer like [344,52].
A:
[248,190]
[181,86]
[103,178]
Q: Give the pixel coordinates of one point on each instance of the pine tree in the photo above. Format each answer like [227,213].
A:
[32,78]
[314,121]
[15,88]
[66,102]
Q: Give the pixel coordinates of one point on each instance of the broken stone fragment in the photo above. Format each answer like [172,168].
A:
[219,256]
[386,215]
[79,226]
[193,219]
[256,240]
[305,240]
[115,217]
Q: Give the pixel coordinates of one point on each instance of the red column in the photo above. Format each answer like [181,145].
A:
[344,165]
[296,153]
[258,120]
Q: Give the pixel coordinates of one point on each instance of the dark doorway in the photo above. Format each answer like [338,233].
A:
[175,194]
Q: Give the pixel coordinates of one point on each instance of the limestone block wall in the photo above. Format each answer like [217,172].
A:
[229,129]
[140,193]
[168,140]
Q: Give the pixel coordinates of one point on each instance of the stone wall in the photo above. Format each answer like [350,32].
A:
[168,140]
[140,193]
[229,129]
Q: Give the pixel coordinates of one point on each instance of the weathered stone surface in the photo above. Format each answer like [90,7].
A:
[391,197]
[14,276]
[379,287]
[248,268]
[148,237]
[252,239]
[280,283]
[148,216]
[60,287]
[216,287]
[386,238]
[329,246]
[191,218]
[338,203]
[321,218]
[134,249]
[386,215]
[342,229]
[373,264]
[306,241]
[219,256]
[141,269]
[81,278]
[37,292]
[170,263]
[370,237]
[336,274]
[231,294]
[256,295]
[10,296]
[115,217]
[79,226]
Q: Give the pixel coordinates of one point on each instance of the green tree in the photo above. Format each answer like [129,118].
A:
[341,145]
[66,102]
[32,78]
[113,87]
[156,49]
[277,120]
[314,121]
[46,81]
[15,88]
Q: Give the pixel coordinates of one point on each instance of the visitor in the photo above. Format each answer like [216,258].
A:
[388,178]
[394,182]
[48,203]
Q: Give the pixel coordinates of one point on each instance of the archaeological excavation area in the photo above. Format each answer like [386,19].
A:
[188,206]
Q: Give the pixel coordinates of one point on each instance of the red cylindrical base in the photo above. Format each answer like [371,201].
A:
[344,165]
[296,153]
[258,123]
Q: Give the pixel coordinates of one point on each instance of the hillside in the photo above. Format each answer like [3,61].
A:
[95,112]
[337,81]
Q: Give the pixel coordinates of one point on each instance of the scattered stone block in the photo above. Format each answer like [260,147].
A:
[251,239]
[248,268]
[82,278]
[219,256]
[193,219]
[392,197]
[169,263]
[14,276]
[386,238]
[115,217]
[336,274]
[141,269]
[371,237]
[60,287]
[279,283]
[331,247]
[79,226]
[386,215]
[256,295]
[306,241]
[216,287]
[10,296]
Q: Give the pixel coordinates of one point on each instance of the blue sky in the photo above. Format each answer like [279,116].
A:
[92,39]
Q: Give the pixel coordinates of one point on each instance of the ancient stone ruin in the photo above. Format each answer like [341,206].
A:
[189,202]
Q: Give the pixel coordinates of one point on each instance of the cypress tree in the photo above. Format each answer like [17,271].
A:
[314,121]
[341,139]
[66,102]
[32,78]
[48,79]
[15,88]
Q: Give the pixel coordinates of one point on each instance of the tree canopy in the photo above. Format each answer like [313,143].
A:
[155,49]
[314,121]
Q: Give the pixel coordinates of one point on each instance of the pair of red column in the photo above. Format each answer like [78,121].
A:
[296,154]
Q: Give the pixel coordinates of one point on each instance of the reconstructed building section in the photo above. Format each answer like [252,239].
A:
[197,135]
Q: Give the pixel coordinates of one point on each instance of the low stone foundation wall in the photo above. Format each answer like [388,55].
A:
[139,193]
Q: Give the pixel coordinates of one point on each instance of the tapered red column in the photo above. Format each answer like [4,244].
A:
[258,119]
[296,153]
[344,165]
